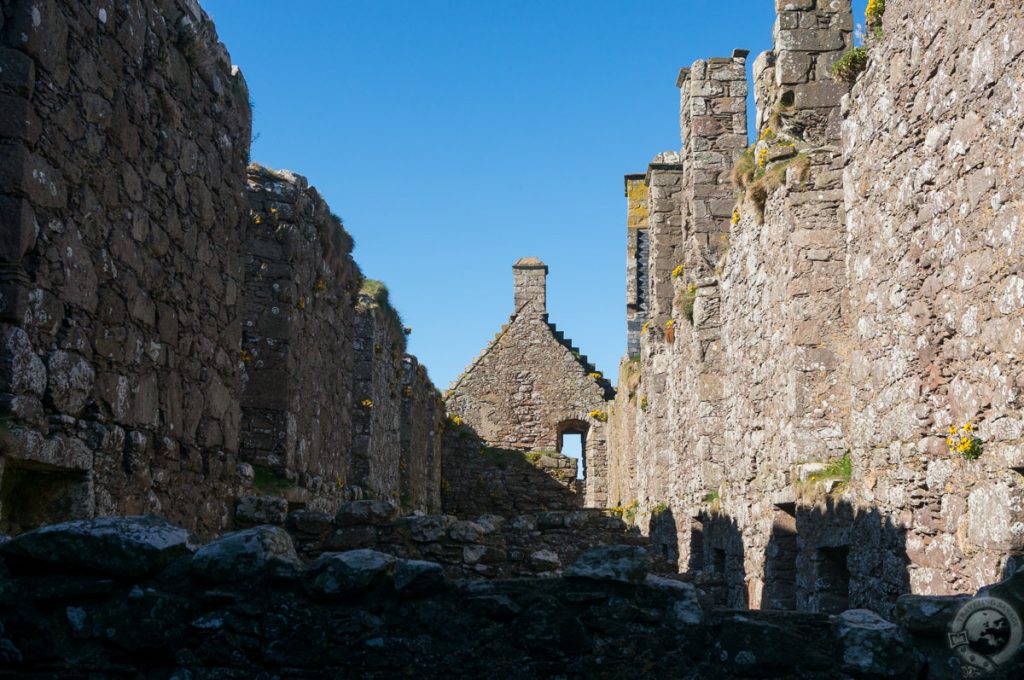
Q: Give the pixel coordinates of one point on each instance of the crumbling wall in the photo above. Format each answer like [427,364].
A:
[132,339]
[123,143]
[422,416]
[480,479]
[932,183]
[297,339]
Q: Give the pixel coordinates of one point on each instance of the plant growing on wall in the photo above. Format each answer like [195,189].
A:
[961,441]
[599,415]
[851,64]
[873,16]
[644,404]
[685,299]
[678,271]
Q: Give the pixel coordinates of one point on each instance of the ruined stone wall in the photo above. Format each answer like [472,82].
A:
[484,546]
[932,185]
[146,304]
[638,305]
[131,595]
[864,304]
[530,386]
[478,479]
[420,430]
[297,339]
[123,142]
[377,403]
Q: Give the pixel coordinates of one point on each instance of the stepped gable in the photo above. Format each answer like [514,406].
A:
[531,386]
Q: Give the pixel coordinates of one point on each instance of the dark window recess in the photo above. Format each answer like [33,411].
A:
[832,582]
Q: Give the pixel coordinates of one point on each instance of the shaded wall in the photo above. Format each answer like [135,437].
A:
[123,143]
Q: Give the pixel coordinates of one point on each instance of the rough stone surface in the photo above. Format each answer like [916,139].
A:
[866,307]
[261,510]
[126,547]
[250,554]
[874,647]
[363,613]
[173,325]
[339,574]
[530,386]
[622,563]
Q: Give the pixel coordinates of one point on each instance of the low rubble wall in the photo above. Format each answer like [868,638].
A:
[132,597]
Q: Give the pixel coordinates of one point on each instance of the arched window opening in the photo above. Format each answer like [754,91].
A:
[572,442]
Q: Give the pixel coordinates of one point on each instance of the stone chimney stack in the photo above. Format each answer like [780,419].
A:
[530,285]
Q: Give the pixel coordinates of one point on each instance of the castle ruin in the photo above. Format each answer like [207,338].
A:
[817,420]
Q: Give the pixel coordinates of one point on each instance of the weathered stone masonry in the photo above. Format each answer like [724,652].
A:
[125,133]
[159,330]
[530,386]
[123,596]
[865,308]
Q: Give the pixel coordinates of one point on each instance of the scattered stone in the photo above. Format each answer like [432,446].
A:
[874,647]
[465,531]
[253,510]
[427,528]
[928,614]
[621,563]
[375,513]
[126,547]
[247,555]
[545,560]
[338,574]
[687,610]
[309,522]
[417,577]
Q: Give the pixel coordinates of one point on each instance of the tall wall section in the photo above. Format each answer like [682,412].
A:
[159,330]
[125,133]
[933,190]
[786,434]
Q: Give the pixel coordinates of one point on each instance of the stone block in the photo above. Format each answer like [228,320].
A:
[248,555]
[337,575]
[809,40]
[251,510]
[819,94]
[128,547]
[17,72]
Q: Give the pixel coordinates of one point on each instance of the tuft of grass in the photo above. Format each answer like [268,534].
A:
[850,65]
[838,469]
[374,293]
[685,300]
[712,497]
[744,168]
[660,508]
[630,376]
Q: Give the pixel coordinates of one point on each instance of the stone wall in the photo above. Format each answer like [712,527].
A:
[932,183]
[487,546]
[167,344]
[297,338]
[123,142]
[530,386]
[131,595]
[480,479]
[785,435]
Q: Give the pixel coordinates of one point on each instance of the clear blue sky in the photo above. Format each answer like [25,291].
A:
[454,137]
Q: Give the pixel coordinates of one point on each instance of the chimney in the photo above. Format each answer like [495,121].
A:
[530,285]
